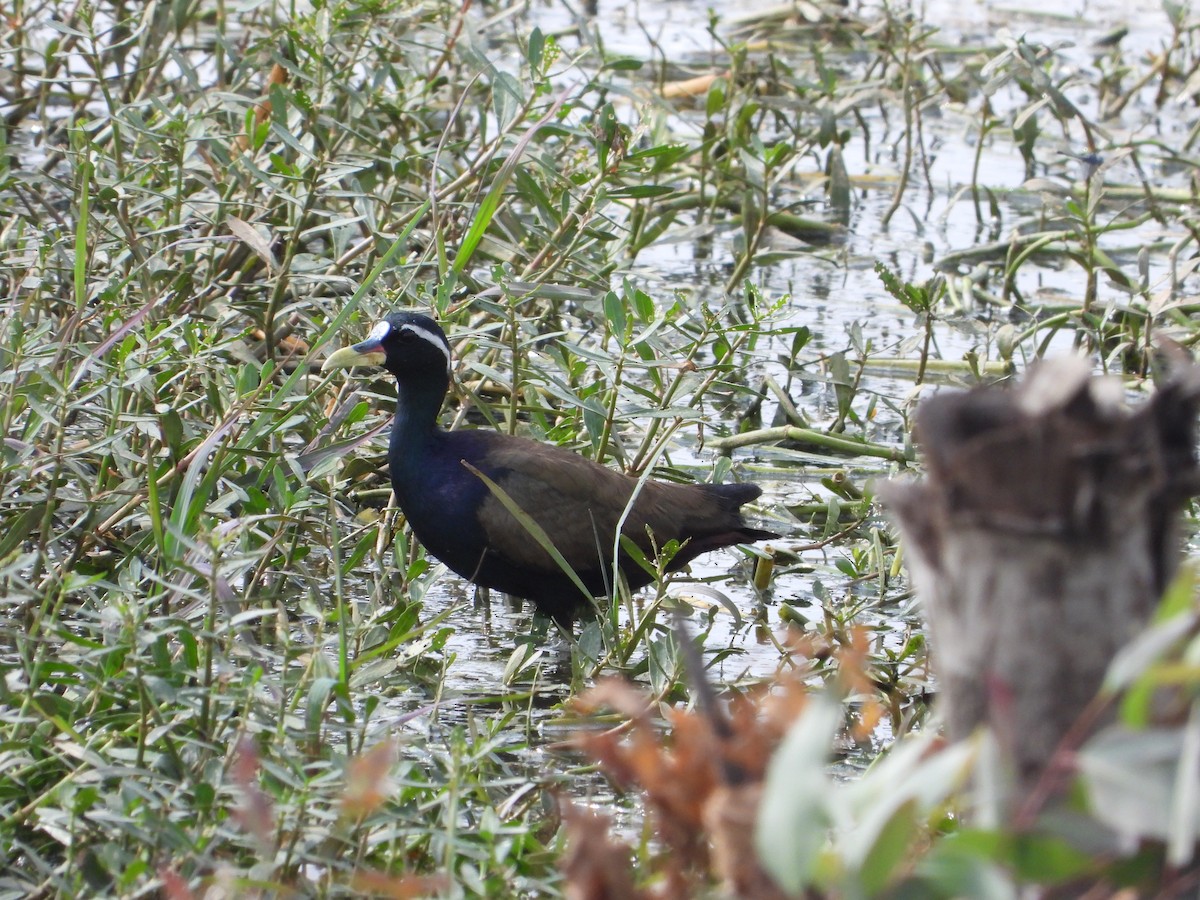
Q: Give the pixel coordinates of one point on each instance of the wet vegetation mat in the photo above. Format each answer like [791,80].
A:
[708,245]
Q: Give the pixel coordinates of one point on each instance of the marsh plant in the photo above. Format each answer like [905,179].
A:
[228,665]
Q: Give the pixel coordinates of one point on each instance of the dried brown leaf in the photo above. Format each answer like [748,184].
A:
[398,887]
[174,885]
[596,866]
[367,783]
[729,818]
[691,87]
[248,235]
[262,111]
[701,775]
[255,813]
[870,715]
[618,695]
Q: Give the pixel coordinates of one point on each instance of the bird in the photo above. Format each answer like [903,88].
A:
[441,484]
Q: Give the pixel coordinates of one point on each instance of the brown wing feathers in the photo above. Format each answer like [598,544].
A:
[578,503]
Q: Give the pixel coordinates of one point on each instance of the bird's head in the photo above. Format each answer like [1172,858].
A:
[404,343]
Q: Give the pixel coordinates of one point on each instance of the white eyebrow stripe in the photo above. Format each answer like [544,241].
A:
[434,339]
[381,330]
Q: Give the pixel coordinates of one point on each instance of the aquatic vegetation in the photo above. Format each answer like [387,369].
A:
[747,251]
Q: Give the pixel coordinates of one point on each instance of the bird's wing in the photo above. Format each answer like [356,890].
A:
[578,503]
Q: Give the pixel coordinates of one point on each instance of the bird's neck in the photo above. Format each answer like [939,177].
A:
[418,402]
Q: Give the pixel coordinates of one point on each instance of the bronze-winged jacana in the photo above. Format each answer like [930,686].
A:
[577,502]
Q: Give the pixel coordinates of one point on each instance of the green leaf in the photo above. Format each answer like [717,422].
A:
[794,815]
[664,155]
[491,201]
[523,657]
[643,303]
[963,865]
[506,98]
[1133,782]
[614,312]
[715,101]
[318,698]
[914,781]
[594,417]
[18,528]
[839,181]
[1136,658]
[640,191]
[1185,798]
[891,847]
[1177,599]
[535,51]
[1047,859]
[624,64]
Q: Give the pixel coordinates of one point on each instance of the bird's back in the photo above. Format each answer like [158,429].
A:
[576,502]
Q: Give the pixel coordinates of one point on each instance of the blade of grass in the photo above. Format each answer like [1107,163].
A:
[535,530]
[491,201]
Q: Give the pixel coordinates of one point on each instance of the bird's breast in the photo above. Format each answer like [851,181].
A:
[441,500]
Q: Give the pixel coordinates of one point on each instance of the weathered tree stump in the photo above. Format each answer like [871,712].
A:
[1040,542]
